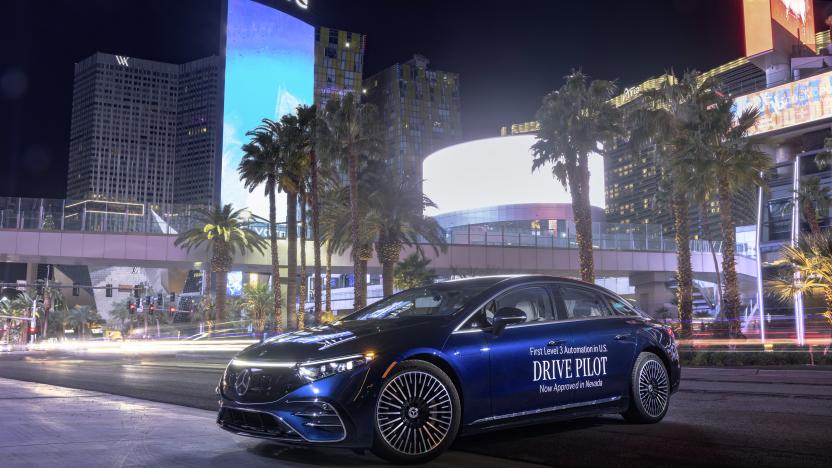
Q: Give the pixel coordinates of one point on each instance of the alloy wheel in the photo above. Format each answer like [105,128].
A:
[414,412]
[653,390]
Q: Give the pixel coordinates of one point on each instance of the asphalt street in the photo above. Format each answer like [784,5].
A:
[720,417]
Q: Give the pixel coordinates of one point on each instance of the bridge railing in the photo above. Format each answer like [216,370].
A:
[144,218]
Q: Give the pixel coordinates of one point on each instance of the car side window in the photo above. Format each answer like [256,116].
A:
[582,303]
[534,301]
[621,309]
[483,318]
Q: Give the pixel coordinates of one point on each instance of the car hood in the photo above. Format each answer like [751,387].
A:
[344,338]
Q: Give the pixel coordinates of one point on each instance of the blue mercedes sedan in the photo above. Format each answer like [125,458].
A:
[406,375]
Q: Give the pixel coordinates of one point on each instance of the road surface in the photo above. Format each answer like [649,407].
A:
[720,417]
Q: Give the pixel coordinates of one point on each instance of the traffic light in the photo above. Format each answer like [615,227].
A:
[76,291]
[159,299]
[147,300]
[152,308]
[172,298]
[171,311]
[137,291]
[132,308]
[109,290]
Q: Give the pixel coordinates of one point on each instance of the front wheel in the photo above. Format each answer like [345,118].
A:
[649,390]
[417,414]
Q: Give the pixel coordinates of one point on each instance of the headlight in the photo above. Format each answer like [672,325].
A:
[319,369]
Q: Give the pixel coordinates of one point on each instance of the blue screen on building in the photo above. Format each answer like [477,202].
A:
[269,71]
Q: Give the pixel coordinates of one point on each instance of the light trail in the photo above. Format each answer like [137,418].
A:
[146,346]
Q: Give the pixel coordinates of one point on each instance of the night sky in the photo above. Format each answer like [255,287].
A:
[508,53]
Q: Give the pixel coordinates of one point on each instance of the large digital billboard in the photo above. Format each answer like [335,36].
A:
[269,71]
[799,102]
[778,25]
[503,176]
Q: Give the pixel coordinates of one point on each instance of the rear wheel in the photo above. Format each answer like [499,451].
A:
[417,414]
[649,390]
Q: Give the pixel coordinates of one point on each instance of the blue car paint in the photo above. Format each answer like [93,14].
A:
[496,377]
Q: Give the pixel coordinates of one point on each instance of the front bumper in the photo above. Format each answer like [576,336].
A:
[297,422]
[335,410]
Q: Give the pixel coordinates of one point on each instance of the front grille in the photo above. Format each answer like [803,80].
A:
[265,385]
[255,423]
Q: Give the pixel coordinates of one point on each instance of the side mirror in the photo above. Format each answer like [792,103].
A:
[507,316]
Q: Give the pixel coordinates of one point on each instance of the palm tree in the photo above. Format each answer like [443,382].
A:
[814,200]
[121,312]
[22,305]
[81,317]
[53,298]
[303,198]
[295,166]
[308,123]
[8,310]
[413,272]
[662,120]
[396,215]
[574,120]
[716,145]
[349,132]
[334,228]
[808,272]
[226,232]
[261,165]
[258,300]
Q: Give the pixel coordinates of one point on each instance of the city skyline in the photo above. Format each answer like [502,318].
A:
[491,96]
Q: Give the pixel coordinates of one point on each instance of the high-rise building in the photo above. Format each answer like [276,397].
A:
[339,63]
[420,110]
[633,195]
[197,134]
[143,131]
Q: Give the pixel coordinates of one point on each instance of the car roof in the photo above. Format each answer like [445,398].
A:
[508,280]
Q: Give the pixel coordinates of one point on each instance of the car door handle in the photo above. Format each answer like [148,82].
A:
[621,337]
[553,343]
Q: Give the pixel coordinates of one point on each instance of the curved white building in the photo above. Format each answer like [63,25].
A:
[496,172]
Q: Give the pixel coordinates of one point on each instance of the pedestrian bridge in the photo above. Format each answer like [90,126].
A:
[613,257]
[101,233]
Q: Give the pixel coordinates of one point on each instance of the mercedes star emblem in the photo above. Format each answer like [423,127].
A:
[242,382]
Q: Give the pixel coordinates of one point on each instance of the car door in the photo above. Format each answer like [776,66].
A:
[600,346]
[522,378]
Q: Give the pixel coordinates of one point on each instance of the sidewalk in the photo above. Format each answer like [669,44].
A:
[46,426]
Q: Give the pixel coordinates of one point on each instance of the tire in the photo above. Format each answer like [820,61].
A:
[649,390]
[417,414]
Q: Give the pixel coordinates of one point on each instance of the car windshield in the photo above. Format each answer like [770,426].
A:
[429,301]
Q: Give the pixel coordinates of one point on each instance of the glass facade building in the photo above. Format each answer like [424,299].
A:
[339,63]
[143,131]
[420,110]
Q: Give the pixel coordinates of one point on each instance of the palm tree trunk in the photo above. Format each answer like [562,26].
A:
[303,281]
[706,230]
[388,271]
[362,264]
[278,319]
[220,285]
[388,254]
[292,261]
[811,216]
[328,305]
[359,299]
[731,292]
[684,276]
[583,219]
[316,234]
